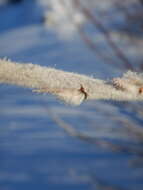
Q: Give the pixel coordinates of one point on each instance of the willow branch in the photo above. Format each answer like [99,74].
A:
[71,87]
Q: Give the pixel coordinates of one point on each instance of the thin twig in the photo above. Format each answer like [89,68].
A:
[93,140]
[86,39]
[106,33]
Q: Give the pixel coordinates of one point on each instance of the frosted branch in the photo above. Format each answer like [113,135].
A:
[71,87]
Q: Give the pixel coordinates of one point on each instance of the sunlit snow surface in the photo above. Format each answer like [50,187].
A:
[35,152]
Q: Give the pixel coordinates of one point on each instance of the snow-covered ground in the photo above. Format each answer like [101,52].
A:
[35,151]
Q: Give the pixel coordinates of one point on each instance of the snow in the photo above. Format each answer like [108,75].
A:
[35,152]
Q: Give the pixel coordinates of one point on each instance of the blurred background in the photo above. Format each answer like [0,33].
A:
[45,144]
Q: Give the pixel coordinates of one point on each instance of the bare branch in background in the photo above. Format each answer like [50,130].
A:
[88,40]
[103,185]
[85,38]
[94,140]
[119,53]
[72,17]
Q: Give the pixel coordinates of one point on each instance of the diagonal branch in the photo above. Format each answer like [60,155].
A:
[106,34]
